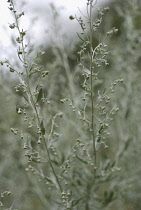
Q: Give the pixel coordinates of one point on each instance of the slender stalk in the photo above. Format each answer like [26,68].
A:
[32,101]
[53,170]
[25,67]
[91,81]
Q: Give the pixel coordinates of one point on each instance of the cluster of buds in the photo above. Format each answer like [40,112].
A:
[45,73]
[112,31]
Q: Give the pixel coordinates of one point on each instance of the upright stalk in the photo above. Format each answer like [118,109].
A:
[33,104]
[91,81]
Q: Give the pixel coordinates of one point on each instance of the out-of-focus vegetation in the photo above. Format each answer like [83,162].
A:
[58,89]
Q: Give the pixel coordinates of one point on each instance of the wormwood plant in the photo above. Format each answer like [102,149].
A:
[82,177]
[126,60]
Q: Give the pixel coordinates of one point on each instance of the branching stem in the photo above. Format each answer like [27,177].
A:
[32,102]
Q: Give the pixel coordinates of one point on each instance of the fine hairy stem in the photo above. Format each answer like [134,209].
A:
[32,100]
[91,83]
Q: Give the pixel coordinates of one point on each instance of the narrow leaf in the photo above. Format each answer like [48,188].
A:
[39,95]
[42,127]
[80,37]
[87,71]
